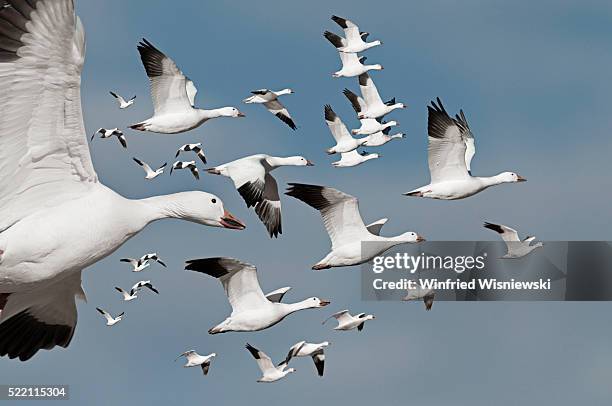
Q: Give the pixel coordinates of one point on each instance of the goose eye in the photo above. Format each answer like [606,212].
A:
[214,200]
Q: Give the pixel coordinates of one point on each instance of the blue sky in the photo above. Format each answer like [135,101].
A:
[533,80]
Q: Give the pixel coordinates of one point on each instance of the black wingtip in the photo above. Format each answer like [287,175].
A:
[330,114]
[254,351]
[495,227]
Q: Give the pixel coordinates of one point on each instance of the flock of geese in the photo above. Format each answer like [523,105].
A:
[56,218]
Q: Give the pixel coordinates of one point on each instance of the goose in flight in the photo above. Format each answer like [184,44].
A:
[270,373]
[427,295]
[368,125]
[346,229]
[347,322]
[313,350]
[354,41]
[196,360]
[153,257]
[196,148]
[353,158]
[173,96]
[344,140]
[104,133]
[48,182]
[150,173]
[448,158]
[251,310]
[123,104]
[127,296]
[110,320]
[516,247]
[191,165]
[144,284]
[269,99]
[371,105]
[381,138]
[352,65]
[252,178]
[137,264]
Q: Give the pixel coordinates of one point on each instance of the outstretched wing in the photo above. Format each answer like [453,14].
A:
[168,83]
[275,107]
[44,156]
[277,295]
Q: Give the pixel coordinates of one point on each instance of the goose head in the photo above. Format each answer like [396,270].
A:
[285,91]
[230,112]
[314,303]
[375,67]
[203,208]
[411,236]
[510,177]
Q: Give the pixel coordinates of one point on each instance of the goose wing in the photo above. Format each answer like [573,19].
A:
[447,145]
[349,59]
[144,165]
[369,91]
[319,360]
[44,156]
[277,295]
[275,107]
[269,208]
[343,316]
[376,226]
[239,280]
[106,314]
[357,102]
[340,211]
[351,30]
[335,124]
[263,361]
[470,146]
[507,234]
[168,83]
[120,99]
[191,91]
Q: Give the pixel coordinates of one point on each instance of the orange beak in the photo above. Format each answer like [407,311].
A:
[231,222]
[519,178]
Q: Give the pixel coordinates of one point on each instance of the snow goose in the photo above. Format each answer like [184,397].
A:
[150,173]
[191,165]
[270,372]
[374,106]
[127,296]
[110,320]
[343,222]
[354,41]
[344,141]
[48,182]
[448,142]
[196,360]
[352,65]
[173,96]
[347,322]
[427,295]
[197,148]
[313,350]
[516,247]
[353,158]
[381,138]
[137,264]
[269,99]
[251,310]
[104,133]
[123,104]
[153,257]
[368,125]
[144,284]
[252,178]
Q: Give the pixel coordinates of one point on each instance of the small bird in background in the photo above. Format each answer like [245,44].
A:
[127,296]
[197,148]
[144,284]
[516,247]
[122,103]
[194,359]
[153,257]
[269,99]
[347,322]
[137,264]
[270,372]
[353,158]
[107,133]
[110,320]
[191,165]
[304,349]
[150,173]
